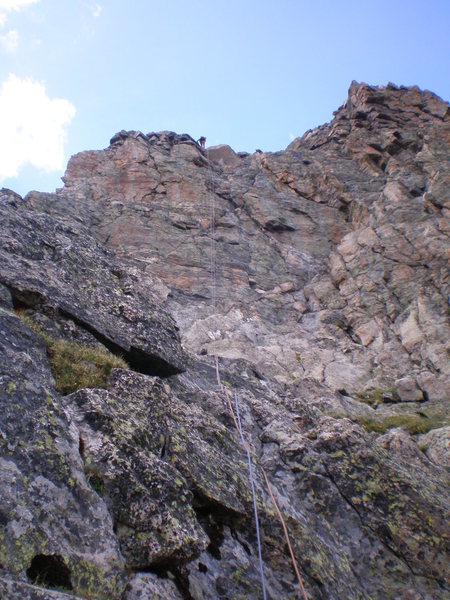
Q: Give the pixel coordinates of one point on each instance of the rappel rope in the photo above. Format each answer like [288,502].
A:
[238,421]
[236,417]
[277,508]
[286,534]
[255,509]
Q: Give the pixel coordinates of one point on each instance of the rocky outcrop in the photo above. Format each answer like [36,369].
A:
[318,275]
[54,528]
[51,263]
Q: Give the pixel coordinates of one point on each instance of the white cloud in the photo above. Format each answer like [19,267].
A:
[32,127]
[97,10]
[8,5]
[10,41]
[15,4]
[291,136]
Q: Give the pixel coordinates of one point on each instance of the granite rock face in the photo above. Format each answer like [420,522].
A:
[326,302]
[50,262]
[51,520]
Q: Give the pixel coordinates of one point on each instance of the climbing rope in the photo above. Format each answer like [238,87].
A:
[286,535]
[255,509]
[279,513]
[236,417]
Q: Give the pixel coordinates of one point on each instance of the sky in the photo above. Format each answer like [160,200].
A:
[248,73]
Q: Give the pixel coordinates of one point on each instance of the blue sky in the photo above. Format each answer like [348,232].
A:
[252,74]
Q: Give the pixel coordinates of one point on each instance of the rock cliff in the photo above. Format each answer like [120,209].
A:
[318,276]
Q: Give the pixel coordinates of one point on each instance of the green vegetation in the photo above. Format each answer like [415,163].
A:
[75,366]
[376,397]
[414,424]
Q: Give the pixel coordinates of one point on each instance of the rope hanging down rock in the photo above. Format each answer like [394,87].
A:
[236,417]
[252,485]
[277,508]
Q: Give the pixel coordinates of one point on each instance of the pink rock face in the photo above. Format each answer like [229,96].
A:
[224,155]
[121,172]
[354,212]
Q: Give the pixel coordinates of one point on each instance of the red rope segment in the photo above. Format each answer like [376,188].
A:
[230,406]
[286,534]
[280,516]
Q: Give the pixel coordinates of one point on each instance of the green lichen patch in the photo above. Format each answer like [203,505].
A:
[90,580]
[11,387]
[414,424]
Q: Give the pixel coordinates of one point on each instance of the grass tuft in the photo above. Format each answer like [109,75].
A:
[95,479]
[75,366]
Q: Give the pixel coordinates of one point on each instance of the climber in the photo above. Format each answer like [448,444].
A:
[202,142]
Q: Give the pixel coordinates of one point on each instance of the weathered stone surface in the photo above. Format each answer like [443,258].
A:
[351,199]
[374,485]
[124,434]
[47,507]
[5,297]
[15,590]
[331,323]
[408,390]
[147,586]
[354,510]
[47,261]
[223,155]
[436,445]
